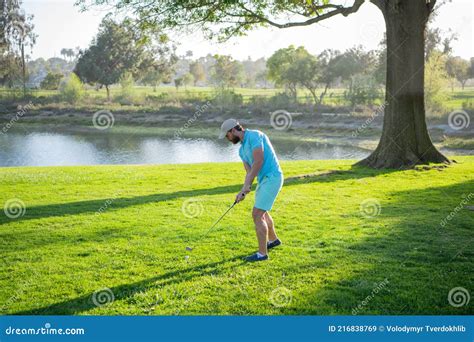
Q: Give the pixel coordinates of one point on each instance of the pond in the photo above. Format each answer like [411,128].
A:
[60,149]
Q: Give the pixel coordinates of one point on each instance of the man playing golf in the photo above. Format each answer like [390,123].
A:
[260,161]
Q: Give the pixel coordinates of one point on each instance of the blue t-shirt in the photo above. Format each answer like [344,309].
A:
[254,139]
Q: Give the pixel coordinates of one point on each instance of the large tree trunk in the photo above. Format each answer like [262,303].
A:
[405,141]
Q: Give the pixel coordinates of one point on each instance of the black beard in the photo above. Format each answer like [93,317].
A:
[235,140]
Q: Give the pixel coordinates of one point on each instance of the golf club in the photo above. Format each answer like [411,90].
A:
[220,218]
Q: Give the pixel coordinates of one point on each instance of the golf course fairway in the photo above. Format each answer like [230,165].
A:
[97,240]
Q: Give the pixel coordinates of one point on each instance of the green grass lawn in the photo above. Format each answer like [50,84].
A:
[123,228]
[454,99]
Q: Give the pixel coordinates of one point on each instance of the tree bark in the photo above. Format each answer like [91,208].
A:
[321,97]
[108,92]
[405,141]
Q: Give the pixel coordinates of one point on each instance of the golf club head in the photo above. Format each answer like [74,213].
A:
[189,248]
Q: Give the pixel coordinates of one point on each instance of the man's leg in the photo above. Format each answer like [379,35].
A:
[271,227]
[261,229]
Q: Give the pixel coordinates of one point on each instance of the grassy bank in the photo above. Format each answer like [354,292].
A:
[117,234]
[252,101]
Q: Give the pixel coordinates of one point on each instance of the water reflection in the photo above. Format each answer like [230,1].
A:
[48,149]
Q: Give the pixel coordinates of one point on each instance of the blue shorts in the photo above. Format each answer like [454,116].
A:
[267,191]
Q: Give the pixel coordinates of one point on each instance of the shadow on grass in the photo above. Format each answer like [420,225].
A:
[121,292]
[92,206]
[418,257]
[411,253]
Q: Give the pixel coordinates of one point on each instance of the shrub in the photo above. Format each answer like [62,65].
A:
[227,98]
[281,100]
[71,89]
[436,80]
[126,95]
[364,90]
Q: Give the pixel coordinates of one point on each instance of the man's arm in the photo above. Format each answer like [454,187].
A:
[252,172]
[247,167]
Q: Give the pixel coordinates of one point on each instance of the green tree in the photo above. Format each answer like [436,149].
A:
[178,82]
[226,72]
[118,48]
[10,69]
[306,69]
[459,69]
[16,33]
[68,54]
[159,63]
[188,79]
[405,140]
[51,81]
[197,70]
[278,66]
[354,61]
[329,72]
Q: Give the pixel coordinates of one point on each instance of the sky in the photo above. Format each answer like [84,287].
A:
[59,24]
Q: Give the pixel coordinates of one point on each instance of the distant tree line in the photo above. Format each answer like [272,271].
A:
[122,54]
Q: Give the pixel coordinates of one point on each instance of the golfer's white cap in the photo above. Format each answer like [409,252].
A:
[227,126]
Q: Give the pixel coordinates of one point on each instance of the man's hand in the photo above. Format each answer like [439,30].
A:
[240,197]
[246,188]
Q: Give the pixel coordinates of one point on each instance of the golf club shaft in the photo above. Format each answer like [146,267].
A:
[220,218]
